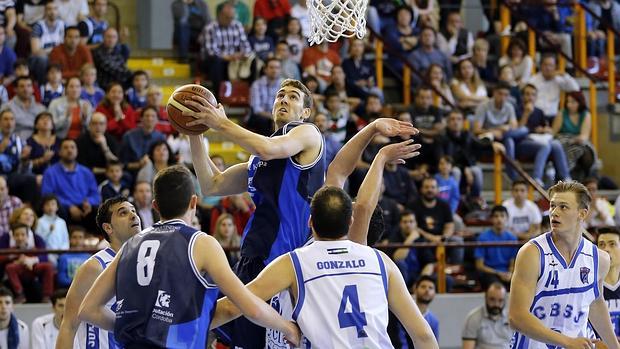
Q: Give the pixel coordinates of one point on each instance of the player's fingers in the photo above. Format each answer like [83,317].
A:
[195,105]
[193,123]
[201,99]
[190,113]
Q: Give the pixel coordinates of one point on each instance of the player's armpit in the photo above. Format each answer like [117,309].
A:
[304,138]
[93,308]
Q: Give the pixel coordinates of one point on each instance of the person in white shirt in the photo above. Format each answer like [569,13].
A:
[524,217]
[550,83]
[13,331]
[72,11]
[52,228]
[45,328]
[600,214]
[300,11]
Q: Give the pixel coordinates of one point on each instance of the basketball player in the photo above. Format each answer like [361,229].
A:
[283,173]
[609,241]
[118,221]
[341,289]
[167,279]
[557,282]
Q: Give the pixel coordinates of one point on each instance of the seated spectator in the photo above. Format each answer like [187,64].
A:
[290,69]
[467,87]
[44,144]
[506,74]
[487,326]
[190,17]
[318,61]
[301,12]
[120,115]
[332,146]
[426,54]
[71,113]
[275,12]
[524,216]
[572,127]
[496,263]
[16,330]
[617,209]
[372,109]
[242,11]
[160,156]
[550,83]
[601,211]
[68,263]
[296,41]
[180,147]
[71,55]
[359,72]
[114,185]
[25,267]
[519,60]
[239,206]
[24,107]
[447,186]
[137,142]
[154,95]
[429,120]
[45,328]
[53,88]
[480,59]
[4,95]
[262,96]
[609,11]
[73,11]
[78,205]
[7,57]
[143,201]
[28,13]
[46,34]
[436,78]
[136,94]
[262,44]
[407,258]
[90,90]
[52,228]
[547,18]
[455,41]
[97,146]
[24,215]
[313,85]
[402,40]
[349,94]
[339,115]
[8,204]
[423,295]
[94,25]
[391,214]
[225,42]
[21,69]
[226,234]
[111,59]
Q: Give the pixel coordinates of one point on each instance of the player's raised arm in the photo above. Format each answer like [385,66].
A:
[403,306]
[93,309]
[83,280]
[599,313]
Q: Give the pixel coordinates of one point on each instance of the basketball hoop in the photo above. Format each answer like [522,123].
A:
[331,19]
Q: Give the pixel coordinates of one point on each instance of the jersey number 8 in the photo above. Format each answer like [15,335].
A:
[146,261]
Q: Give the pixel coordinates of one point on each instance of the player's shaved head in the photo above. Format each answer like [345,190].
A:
[331,210]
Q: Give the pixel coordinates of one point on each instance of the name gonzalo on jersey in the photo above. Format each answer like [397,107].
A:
[352,264]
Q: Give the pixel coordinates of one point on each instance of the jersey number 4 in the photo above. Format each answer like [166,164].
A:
[553,279]
[146,261]
[355,318]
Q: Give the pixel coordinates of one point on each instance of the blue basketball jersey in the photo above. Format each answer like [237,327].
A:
[564,291]
[162,299]
[93,29]
[282,190]
[611,293]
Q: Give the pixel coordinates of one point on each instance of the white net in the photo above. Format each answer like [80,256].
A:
[331,19]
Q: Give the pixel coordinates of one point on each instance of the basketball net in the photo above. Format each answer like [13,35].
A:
[331,19]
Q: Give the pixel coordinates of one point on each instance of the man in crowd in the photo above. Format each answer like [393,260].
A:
[45,327]
[487,325]
[524,216]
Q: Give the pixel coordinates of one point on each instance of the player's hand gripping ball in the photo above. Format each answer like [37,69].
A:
[176,106]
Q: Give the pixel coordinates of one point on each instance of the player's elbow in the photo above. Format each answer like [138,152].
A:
[426,340]
[515,320]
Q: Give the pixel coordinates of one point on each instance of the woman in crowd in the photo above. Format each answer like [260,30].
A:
[71,113]
[520,62]
[161,156]
[467,87]
[226,234]
[121,116]
[44,144]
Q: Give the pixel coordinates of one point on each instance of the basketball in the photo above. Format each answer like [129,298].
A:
[176,106]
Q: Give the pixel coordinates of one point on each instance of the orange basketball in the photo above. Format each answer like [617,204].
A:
[176,105]
[600,345]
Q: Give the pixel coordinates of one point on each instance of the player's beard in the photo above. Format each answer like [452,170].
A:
[494,310]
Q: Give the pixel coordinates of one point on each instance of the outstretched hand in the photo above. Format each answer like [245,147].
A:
[397,153]
[389,127]
[206,113]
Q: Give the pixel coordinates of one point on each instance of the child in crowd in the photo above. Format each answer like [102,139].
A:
[114,185]
[53,88]
[90,91]
[68,263]
[448,188]
[338,113]
[136,95]
[21,69]
[52,228]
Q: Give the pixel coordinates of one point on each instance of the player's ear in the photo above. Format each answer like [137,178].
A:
[310,222]
[107,227]
[155,206]
[305,114]
[193,202]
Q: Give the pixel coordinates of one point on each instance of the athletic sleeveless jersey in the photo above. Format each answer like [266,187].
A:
[342,295]
[89,336]
[564,291]
[50,37]
[162,299]
[93,29]
[612,298]
[281,190]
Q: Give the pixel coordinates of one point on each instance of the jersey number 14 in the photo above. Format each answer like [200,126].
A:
[356,318]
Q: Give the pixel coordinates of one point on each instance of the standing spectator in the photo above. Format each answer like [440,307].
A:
[97,146]
[160,156]
[72,11]
[225,42]
[262,95]
[90,90]
[359,72]
[46,34]
[26,267]
[190,17]
[290,69]
[120,115]
[524,216]
[53,88]
[137,142]
[111,59]
[318,61]
[437,79]
[45,328]
[226,234]
[262,44]
[276,12]
[68,263]
[7,57]
[44,144]
[519,60]
[8,19]
[448,187]
[136,94]
[429,120]
[487,325]
[480,59]
[402,39]
[114,185]
[93,26]
[71,113]
[423,295]
[23,107]
[242,11]
[550,83]
[71,55]
[454,40]
[143,201]
[295,39]
[426,54]
[14,330]
[78,205]
[8,204]
[52,228]
[467,87]
[332,146]
[601,211]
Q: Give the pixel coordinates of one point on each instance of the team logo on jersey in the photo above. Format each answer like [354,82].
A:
[118,305]
[339,250]
[163,299]
[583,273]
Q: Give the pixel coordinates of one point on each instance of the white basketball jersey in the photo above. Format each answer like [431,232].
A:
[564,291]
[89,336]
[342,295]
